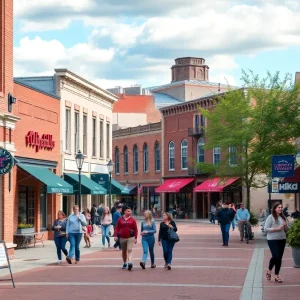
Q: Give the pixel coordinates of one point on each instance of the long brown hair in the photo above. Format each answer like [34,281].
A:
[274,214]
[170,217]
[104,214]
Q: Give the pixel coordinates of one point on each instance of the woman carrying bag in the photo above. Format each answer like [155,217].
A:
[167,237]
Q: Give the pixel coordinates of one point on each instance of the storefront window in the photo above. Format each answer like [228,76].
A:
[144,199]
[181,203]
[26,205]
[43,208]
[154,198]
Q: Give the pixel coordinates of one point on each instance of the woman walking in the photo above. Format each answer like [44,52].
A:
[88,230]
[232,207]
[148,229]
[126,230]
[74,233]
[106,221]
[163,238]
[276,228]
[60,240]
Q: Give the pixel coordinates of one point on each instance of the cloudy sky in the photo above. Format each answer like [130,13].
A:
[125,42]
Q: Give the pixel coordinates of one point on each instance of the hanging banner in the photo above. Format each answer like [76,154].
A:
[6,161]
[4,262]
[284,187]
[283,166]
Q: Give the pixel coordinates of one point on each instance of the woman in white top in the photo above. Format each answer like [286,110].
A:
[106,221]
[276,228]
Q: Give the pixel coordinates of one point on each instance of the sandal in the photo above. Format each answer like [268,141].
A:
[277,279]
[268,276]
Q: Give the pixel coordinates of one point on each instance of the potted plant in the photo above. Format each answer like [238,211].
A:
[293,240]
[25,228]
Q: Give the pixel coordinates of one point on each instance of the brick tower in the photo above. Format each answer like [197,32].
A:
[189,68]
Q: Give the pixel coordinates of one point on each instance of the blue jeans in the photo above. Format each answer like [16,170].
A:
[60,243]
[168,250]
[225,232]
[117,243]
[233,224]
[75,239]
[148,243]
[212,218]
[105,233]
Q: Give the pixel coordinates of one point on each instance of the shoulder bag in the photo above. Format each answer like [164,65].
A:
[173,236]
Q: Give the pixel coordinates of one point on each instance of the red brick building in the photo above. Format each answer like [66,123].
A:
[138,164]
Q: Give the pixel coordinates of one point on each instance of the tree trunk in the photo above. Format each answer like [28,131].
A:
[248,192]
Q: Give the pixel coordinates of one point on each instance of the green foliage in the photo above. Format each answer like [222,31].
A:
[259,120]
[253,219]
[23,226]
[293,235]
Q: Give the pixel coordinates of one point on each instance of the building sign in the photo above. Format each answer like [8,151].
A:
[45,141]
[284,187]
[283,165]
[6,161]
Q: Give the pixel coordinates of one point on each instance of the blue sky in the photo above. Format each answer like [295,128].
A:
[116,42]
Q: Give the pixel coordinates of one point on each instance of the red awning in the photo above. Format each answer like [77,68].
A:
[173,185]
[214,185]
[295,178]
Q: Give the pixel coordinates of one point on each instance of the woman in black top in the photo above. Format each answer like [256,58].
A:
[163,238]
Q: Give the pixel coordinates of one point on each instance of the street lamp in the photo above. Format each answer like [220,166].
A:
[79,162]
[110,167]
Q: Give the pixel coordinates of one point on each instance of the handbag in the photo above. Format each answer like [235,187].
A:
[131,232]
[173,236]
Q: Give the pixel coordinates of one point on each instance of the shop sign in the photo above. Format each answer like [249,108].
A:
[283,165]
[6,161]
[284,187]
[33,139]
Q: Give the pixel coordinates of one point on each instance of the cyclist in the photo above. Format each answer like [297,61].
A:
[242,216]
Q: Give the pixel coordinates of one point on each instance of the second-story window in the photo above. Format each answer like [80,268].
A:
[101,139]
[171,156]
[184,154]
[200,150]
[125,159]
[107,140]
[232,156]
[94,137]
[117,161]
[157,157]
[135,159]
[84,129]
[68,130]
[76,131]
[145,158]
[217,155]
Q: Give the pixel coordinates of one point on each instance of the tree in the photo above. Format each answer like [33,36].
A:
[257,121]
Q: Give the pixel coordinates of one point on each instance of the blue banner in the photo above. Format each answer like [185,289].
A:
[283,165]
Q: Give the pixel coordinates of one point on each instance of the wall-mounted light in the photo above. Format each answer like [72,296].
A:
[11,100]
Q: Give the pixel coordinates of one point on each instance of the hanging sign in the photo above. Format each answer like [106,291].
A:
[283,165]
[4,262]
[284,187]
[6,161]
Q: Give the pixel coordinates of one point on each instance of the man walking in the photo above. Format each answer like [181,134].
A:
[116,216]
[212,214]
[286,211]
[243,216]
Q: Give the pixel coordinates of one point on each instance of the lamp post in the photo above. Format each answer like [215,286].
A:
[110,167]
[79,162]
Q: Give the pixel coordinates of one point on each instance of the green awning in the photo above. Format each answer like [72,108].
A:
[130,190]
[55,184]
[88,186]
[103,180]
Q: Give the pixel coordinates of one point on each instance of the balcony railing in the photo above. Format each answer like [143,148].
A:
[138,129]
[195,131]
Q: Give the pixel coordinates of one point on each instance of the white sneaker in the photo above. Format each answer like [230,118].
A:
[59,262]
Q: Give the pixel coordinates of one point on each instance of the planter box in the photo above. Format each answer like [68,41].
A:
[296,257]
[25,230]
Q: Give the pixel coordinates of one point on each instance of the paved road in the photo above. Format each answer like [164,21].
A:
[202,269]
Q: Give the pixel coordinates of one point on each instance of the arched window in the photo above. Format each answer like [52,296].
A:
[157,157]
[145,152]
[125,159]
[117,161]
[200,150]
[135,159]
[232,156]
[184,154]
[171,156]
[217,155]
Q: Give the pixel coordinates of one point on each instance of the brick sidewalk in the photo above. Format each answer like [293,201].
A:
[202,269]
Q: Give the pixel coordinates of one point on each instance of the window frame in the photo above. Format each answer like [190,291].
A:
[84,134]
[107,140]
[184,159]
[146,157]
[230,157]
[68,130]
[216,162]
[171,156]
[117,161]
[94,137]
[157,156]
[125,159]
[101,133]
[201,144]
[76,131]
[135,159]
